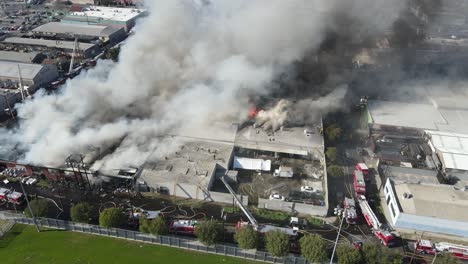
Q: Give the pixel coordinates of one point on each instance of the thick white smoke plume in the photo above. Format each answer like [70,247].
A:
[188,65]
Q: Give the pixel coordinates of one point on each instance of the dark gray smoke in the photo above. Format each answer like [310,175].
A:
[192,64]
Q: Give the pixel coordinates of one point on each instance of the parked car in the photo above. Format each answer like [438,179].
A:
[25,179]
[307,189]
[31,181]
[276,196]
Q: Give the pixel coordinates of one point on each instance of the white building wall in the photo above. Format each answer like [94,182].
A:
[391,201]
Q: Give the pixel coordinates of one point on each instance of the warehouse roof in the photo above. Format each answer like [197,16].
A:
[410,175]
[108,13]
[453,147]
[49,43]
[78,29]
[437,201]
[420,116]
[18,56]
[10,70]
[192,162]
[293,140]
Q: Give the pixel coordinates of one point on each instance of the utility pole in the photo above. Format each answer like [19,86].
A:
[29,207]
[339,212]
[75,47]
[83,165]
[21,82]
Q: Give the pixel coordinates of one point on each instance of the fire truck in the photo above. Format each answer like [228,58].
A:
[351,214]
[181,226]
[359,183]
[362,167]
[11,196]
[427,247]
[385,237]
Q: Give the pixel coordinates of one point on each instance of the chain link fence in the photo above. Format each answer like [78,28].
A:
[172,241]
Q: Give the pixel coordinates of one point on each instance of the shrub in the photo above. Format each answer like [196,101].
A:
[277,243]
[39,207]
[81,212]
[247,237]
[208,232]
[111,217]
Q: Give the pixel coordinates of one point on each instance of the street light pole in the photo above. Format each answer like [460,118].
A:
[338,235]
[29,207]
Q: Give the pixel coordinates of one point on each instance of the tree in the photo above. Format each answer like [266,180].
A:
[208,232]
[113,54]
[277,243]
[246,237]
[335,171]
[347,254]
[333,132]
[111,217]
[374,253]
[331,154]
[39,207]
[445,258]
[156,226]
[81,212]
[313,248]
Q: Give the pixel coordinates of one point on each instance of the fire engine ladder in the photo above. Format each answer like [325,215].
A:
[239,203]
[365,207]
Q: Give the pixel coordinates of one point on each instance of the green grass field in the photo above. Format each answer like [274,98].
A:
[24,245]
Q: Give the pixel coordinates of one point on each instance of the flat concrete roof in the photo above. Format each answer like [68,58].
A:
[27,57]
[291,140]
[79,29]
[438,201]
[9,69]
[420,116]
[410,175]
[60,44]
[108,13]
[193,162]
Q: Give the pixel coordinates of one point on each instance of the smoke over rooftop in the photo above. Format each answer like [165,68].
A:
[192,64]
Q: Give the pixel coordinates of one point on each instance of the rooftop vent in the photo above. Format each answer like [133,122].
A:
[407,195]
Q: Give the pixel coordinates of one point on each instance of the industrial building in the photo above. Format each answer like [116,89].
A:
[435,209]
[24,57]
[107,16]
[452,151]
[87,50]
[423,152]
[33,76]
[284,160]
[440,114]
[84,32]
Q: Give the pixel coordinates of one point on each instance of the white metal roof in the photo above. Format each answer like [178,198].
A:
[79,29]
[453,147]
[109,13]
[252,164]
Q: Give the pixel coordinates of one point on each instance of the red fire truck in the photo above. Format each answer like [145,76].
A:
[427,247]
[359,183]
[383,235]
[184,227]
[351,214]
[11,196]
[362,167]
